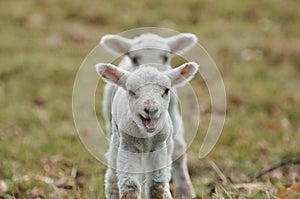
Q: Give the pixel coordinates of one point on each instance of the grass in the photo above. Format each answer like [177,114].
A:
[42,44]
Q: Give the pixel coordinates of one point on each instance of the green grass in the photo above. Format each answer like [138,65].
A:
[42,44]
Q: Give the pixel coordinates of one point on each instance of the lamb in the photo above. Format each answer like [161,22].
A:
[145,49]
[142,124]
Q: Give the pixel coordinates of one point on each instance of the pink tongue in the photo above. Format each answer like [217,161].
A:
[150,124]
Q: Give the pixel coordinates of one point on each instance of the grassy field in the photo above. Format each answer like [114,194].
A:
[255,44]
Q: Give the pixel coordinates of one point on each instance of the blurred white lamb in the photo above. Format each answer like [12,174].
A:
[145,49]
[142,129]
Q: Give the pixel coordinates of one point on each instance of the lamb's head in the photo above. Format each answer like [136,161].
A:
[149,48]
[148,90]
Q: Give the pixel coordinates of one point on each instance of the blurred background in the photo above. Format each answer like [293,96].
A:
[255,45]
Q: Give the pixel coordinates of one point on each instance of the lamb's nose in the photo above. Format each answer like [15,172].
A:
[151,111]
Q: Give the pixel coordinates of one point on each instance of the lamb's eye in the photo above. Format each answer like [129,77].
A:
[165,58]
[131,93]
[166,92]
[135,59]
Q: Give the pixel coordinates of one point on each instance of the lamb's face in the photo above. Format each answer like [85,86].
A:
[148,93]
[149,48]
[148,90]
[149,55]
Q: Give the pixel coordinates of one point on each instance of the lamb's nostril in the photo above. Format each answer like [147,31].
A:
[151,111]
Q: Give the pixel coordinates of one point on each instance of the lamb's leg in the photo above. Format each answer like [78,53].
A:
[158,176]
[182,182]
[111,179]
[181,178]
[158,184]
[129,186]
[111,184]
[183,186]
[128,162]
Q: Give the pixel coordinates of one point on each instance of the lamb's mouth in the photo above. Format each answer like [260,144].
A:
[149,123]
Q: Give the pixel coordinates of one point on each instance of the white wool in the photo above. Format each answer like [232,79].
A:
[144,49]
[143,128]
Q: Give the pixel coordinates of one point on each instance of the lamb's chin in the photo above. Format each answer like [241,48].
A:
[150,130]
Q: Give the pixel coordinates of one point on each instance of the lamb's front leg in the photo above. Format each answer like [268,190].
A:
[129,167]
[158,184]
[157,179]
[129,186]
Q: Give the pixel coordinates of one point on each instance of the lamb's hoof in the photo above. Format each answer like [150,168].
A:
[184,193]
[159,192]
[111,196]
[130,195]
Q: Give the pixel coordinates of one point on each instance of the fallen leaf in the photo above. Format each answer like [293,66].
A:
[282,124]
[283,193]
[289,192]
[296,187]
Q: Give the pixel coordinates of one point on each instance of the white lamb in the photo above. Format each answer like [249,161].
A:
[145,49]
[142,129]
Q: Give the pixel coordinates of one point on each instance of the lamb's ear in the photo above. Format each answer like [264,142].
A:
[182,42]
[116,44]
[112,74]
[182,74]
